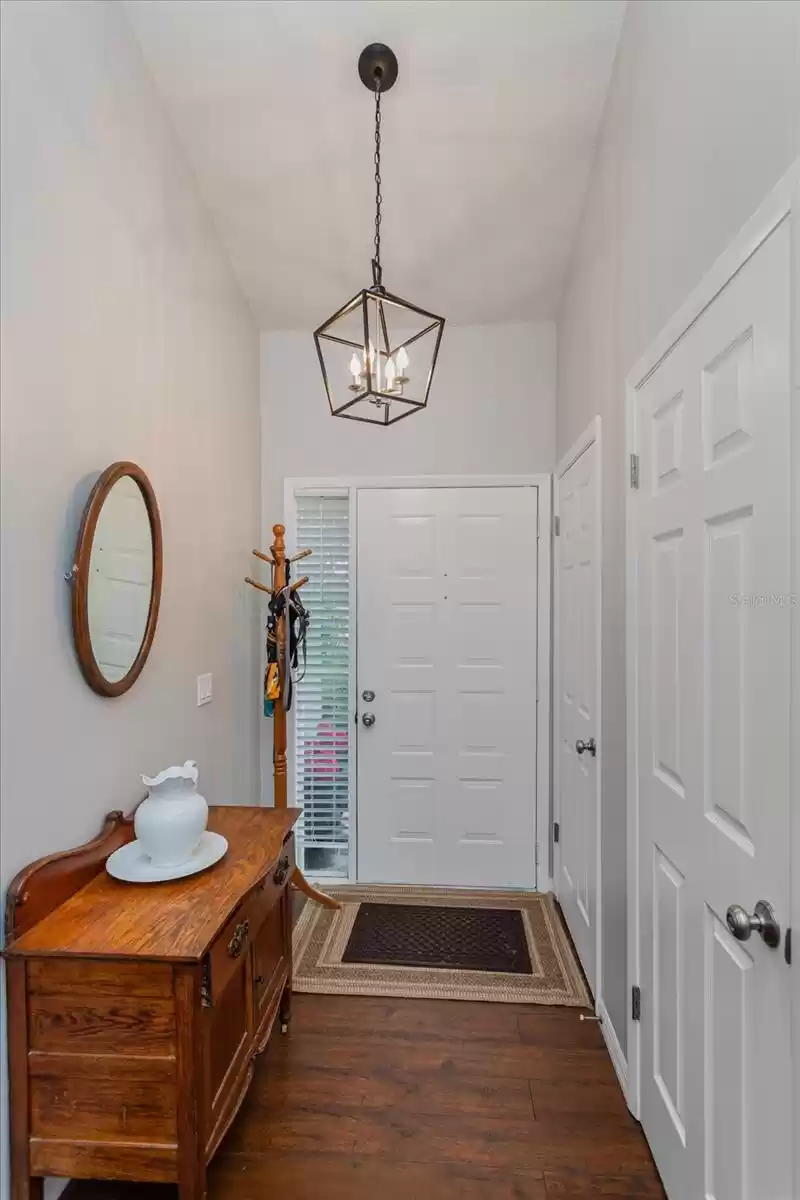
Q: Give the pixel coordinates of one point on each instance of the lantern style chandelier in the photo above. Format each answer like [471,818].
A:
[378,352]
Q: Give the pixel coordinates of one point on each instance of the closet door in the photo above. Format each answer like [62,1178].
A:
[577,700]
[713,609]
[447,619]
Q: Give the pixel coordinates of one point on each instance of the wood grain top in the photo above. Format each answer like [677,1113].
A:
[176,921]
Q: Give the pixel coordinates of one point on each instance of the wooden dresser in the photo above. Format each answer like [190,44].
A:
[135,1011]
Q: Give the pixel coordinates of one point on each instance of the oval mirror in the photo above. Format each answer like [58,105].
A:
[116,579]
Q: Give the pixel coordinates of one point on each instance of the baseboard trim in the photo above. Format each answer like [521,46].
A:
[614,1049]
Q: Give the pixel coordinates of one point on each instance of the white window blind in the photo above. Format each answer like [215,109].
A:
[323,712]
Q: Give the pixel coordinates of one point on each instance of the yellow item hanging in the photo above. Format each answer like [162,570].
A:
[272,688]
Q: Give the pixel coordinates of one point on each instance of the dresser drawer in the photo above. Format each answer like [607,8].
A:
[270,965]
[268,892]
[232,945]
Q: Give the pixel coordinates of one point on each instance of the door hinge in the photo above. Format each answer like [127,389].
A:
[556,526]
[634,470]
[636,1002]
[556,832]
[787,947]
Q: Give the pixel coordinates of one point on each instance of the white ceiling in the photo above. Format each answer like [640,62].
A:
[488,139]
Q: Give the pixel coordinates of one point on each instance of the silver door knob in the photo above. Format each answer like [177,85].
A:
[742,924]
[582,747]
[368,696]
[368,719]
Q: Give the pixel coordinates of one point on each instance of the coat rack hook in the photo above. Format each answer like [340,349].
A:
[261,587]
[264,557]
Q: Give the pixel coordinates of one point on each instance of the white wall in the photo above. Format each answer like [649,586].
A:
[123,336]
[700,123]
[491,411]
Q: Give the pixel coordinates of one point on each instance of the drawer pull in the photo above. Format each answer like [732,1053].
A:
[260,980]
[281,871]
[240,936]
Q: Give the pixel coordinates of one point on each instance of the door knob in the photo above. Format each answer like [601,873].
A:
[367,696]
[582,747]
[742,924]
[368,719]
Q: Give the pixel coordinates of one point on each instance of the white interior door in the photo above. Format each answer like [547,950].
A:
[712,662]
[447,621]
[577,702]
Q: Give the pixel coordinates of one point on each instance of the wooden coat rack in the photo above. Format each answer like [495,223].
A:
[277,560]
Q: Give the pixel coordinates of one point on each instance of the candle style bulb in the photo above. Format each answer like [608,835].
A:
[357,373]
[390,374]
[402,360]
[374,368]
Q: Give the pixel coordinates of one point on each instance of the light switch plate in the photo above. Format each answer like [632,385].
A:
[203,689]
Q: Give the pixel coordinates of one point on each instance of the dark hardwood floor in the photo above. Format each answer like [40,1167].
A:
[370,1099]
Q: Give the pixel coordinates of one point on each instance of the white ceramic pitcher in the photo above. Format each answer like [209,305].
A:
[171,820]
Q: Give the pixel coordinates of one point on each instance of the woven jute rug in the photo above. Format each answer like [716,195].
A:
[321,937]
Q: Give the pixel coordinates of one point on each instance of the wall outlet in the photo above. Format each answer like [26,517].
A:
[204,689]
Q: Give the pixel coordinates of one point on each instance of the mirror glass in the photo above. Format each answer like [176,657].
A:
[120,579]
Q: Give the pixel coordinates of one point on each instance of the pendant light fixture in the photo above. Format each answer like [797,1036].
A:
[378,352]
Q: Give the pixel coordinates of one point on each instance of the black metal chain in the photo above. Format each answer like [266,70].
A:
[377,270]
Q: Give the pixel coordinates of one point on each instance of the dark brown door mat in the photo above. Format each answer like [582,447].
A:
[460,939]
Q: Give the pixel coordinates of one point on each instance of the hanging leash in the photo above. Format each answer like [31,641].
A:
[286,604]
[297,622]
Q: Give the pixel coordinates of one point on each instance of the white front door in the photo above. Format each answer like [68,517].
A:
[447,620]
[577,726]
[713,684]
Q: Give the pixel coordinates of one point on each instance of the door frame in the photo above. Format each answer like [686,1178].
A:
[352,485]
[591,436]
[782,204]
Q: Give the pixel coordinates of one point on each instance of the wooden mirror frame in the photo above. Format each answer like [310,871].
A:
[79,577]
